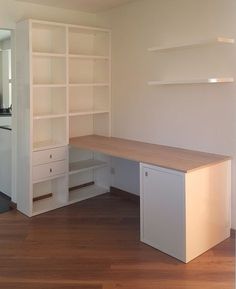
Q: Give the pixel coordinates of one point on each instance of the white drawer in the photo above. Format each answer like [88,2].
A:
[47,156]
[49,170]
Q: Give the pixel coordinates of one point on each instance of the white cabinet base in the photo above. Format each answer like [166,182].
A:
[185,214]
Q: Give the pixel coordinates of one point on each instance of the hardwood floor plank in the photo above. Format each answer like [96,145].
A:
[95,244]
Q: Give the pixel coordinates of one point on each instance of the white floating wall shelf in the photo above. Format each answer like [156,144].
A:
[193,81]
[217,40]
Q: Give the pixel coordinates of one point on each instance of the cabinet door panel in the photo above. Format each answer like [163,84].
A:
[163,207]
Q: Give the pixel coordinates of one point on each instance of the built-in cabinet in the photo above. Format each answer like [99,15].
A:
[64,91]
[184,214]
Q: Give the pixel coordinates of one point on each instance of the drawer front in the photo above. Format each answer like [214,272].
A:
[47,156]
[49,170]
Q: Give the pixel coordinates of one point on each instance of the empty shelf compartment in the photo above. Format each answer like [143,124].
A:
[81,166]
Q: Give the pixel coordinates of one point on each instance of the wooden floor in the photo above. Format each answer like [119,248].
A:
[95,245]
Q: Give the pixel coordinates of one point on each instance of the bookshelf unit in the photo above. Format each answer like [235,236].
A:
[64,91]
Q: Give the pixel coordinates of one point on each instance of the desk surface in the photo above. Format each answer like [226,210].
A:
[163,156]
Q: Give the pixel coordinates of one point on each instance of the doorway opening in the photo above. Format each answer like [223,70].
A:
[5,120]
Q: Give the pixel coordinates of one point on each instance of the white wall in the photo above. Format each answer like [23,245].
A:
[125,175]
[199,117]
[13,11]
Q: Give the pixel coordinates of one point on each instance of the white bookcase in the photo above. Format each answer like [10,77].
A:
[64,91]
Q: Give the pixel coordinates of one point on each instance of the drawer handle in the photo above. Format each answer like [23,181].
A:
[50,156]
[50,170]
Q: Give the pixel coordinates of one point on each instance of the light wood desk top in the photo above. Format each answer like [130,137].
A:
[163,156]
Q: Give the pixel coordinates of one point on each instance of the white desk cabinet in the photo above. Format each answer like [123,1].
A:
[184,214]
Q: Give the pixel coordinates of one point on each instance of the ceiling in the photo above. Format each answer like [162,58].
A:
[5,34]
[92,6]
